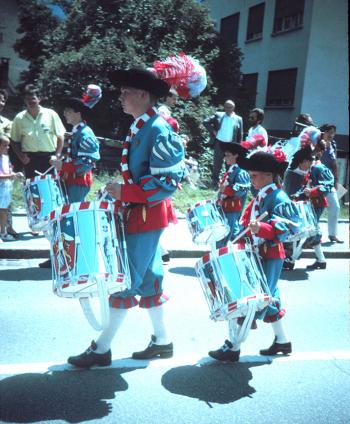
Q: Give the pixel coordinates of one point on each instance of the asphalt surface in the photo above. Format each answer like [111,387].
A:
[40,330]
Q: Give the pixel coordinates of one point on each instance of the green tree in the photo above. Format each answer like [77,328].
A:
[35,22]
[98,36]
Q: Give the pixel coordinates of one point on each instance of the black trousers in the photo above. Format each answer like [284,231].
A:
[39,161]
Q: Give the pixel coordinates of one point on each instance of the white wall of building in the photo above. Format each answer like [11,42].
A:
[326,84]
[322,80]
[8,27]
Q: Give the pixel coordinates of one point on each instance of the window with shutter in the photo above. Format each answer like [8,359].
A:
[281,88]
[255,22]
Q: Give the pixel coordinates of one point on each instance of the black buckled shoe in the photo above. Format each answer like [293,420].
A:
[89,358]
[334,239]
[154,350]
[288,264]
[317,265]
[285,348]
[225,354]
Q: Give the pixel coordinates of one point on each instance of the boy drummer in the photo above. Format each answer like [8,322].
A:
[233,189]
[265,170]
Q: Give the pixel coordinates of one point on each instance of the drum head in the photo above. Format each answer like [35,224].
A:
[212,234]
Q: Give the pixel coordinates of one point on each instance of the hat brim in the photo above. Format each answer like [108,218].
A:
[263,162]
[74,103]
[301,155]
[234,148]
[141,79]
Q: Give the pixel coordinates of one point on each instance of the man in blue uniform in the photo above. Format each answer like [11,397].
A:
[151,169]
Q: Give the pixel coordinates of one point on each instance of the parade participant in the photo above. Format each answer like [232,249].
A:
[76,170]
[318,182]
[265,170]
[37,133]
[223,127]
[152,167]
[293,178]
[6,182]
[170,101]
[233,189]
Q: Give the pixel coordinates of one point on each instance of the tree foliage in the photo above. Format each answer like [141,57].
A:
[98,36]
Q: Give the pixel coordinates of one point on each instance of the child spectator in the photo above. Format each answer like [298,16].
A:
[6,177]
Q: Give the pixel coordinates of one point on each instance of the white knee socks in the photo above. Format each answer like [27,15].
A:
[157,317]
[281,336]
[234,329]
[116,317]
[319,253]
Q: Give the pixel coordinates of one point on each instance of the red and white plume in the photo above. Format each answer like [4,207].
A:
[183,73]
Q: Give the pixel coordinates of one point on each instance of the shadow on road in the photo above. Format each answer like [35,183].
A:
[71,396]
[297,274]
[31,274]
[214,383]
[183,270]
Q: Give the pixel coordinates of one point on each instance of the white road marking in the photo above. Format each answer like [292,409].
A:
[49,367]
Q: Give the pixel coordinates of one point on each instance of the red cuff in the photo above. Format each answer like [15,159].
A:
[68,167]
[266,231]
[229,192]
[315,192]
[133,193]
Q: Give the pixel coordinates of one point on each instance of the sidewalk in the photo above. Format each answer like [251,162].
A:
[176,239]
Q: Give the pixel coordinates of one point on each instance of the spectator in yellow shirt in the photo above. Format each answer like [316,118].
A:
[37,133]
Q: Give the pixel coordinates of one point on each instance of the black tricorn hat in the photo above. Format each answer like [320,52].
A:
[263,162]
[301,155]
[140,78]
[76,104]
[233,148]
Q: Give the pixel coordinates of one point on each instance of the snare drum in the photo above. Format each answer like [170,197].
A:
[88,256]
[207,222]
[42,194]
[231,277]
[308,222]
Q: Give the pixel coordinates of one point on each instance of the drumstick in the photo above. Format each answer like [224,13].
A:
[48,170]
[104,194]
[259,218]
[51,167]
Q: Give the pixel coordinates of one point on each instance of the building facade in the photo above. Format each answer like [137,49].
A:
[295,58]
[11,65]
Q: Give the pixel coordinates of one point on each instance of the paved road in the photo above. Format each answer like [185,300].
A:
[39,331]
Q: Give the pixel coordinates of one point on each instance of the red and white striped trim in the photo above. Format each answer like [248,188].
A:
[73,207]
[133,130]
[203,202]
[40,177]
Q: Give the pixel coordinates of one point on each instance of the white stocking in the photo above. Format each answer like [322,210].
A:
[116,317]
[319,253]
[157,317]
[234,330]
[281,336]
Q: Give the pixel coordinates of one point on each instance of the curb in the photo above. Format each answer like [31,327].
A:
[185,254]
